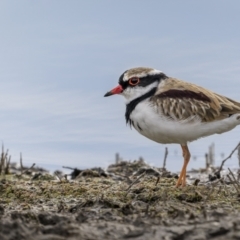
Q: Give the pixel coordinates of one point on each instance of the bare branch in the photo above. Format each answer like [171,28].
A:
[224,160]
[233,183]
[28,169]
[234,178]
[68,167]
[128,189]
[59,177]
[7,168]
[21,164]
[165,158]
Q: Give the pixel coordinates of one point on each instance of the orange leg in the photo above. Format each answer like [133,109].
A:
[186,155]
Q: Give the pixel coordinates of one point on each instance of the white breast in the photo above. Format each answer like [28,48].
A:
[160,129]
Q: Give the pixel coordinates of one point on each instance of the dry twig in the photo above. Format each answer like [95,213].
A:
[233,177]
[233,183]
[142,175]
[2,161]
[220,169]
[164,165]
[158,179]
[68,168]
[21,164]
[58,176]
[7,171]
[27,169]
[165,158]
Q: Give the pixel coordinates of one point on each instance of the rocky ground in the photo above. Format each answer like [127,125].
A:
[130,200]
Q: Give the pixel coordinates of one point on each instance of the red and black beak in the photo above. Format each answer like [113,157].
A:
[116,90]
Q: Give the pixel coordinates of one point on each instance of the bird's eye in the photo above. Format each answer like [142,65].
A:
[134,81]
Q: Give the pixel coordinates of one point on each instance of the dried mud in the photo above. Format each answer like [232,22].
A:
[130,200]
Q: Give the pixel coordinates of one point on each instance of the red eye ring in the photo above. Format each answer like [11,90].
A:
[133,81]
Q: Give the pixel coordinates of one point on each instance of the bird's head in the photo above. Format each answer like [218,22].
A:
[136,82]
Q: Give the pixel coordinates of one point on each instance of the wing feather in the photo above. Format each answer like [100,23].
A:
[181,100]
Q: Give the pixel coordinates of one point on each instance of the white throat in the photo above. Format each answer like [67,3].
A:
[133,93]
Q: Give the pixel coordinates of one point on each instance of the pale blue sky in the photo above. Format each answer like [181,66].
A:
[58,59]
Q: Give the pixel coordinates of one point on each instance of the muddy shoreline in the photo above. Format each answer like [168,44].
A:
[130,200]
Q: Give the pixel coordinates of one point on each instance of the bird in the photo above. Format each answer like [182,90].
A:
[168,110]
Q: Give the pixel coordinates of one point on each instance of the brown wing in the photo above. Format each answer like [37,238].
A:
[182,100]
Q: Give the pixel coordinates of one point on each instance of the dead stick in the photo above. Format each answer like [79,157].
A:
[216,182]
[165,158]
[21,164]
[223,161]
[233,177]
[158,179]
[58,176]
[135,181]
[164,165]
[28,169]
[225,187]
[128,179]
[233,183]
[7,171]
[2,161]
[190,204]
[68,168]
[199,194]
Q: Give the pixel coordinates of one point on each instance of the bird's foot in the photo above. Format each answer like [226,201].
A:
[181,182]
